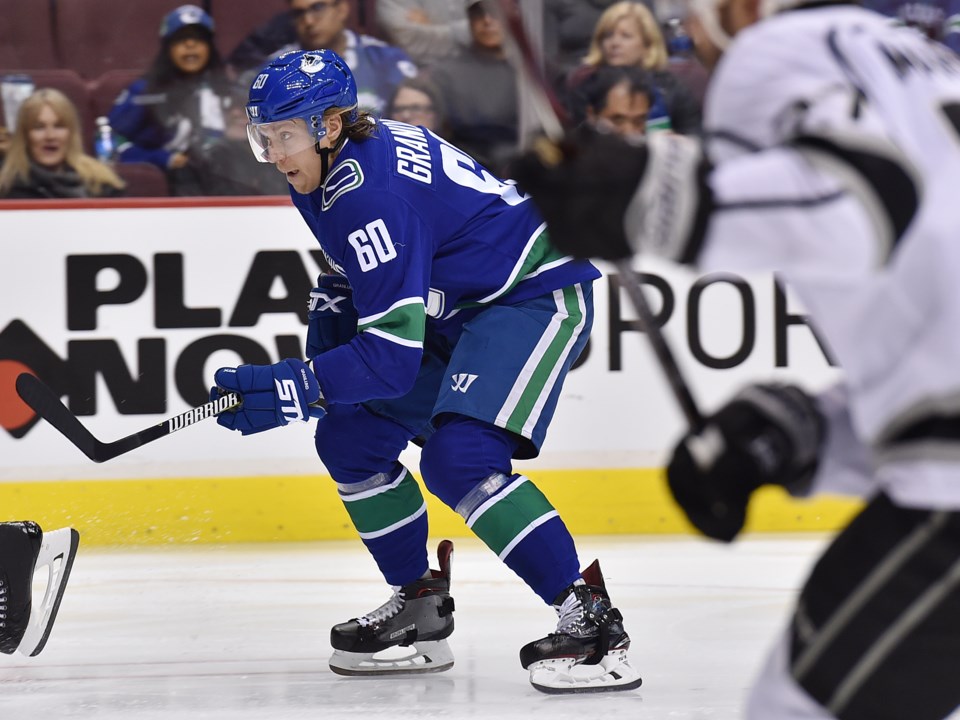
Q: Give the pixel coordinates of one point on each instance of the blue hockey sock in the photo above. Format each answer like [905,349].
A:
[467,464]
[520,525]
[391,517]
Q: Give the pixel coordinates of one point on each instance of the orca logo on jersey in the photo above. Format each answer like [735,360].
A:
[345,177]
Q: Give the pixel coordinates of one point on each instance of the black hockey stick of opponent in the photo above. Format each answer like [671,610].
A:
[553,117]
[47,405]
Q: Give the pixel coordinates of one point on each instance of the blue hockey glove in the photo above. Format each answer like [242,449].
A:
[332,318]
[273,395]
[768,434]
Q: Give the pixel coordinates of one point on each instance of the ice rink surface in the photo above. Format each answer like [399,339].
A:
[241,632]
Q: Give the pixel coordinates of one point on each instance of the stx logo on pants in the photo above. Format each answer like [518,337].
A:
[462,382]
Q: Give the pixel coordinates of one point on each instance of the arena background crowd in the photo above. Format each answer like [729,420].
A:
[105,98]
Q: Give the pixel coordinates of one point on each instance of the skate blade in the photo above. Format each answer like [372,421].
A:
[422,657]
[57,553]
[560,676]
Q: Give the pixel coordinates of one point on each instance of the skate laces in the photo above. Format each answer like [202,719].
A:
[386,611]
[572,615]
[585,613]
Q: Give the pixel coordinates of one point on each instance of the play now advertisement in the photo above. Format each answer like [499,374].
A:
[127,312]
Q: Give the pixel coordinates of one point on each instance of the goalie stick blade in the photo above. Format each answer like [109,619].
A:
[47,405]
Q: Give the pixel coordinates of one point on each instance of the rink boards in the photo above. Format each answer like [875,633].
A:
[127,309]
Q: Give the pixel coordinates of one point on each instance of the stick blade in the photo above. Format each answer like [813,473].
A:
[45,403]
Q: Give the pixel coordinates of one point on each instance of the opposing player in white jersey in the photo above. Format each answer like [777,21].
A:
[832,156]
[24,550]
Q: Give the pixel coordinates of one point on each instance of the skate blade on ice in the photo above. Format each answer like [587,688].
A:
[563,675]
[421,657]
[57,552]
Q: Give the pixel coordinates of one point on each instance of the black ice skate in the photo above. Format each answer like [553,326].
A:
[588,652]
[25,625]
[420,614]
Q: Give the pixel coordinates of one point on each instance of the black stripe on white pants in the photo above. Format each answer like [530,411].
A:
[876,632]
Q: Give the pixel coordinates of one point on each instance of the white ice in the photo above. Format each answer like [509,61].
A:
[241,632]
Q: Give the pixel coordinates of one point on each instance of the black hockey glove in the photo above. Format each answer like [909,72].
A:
[767,434]
[605,197]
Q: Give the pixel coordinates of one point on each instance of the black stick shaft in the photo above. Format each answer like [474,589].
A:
[46,403]
[661,348]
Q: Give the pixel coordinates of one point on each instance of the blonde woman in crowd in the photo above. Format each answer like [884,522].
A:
[46,158]
[627,34]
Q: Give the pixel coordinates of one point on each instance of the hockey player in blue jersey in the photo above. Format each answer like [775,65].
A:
[452,322]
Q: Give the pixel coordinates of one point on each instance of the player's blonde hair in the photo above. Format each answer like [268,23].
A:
[363,126]
[655,57]
[94,173]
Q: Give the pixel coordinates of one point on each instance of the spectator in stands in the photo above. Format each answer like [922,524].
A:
[567,29]
[479,90]
[429,30]
[173,115]
[46,158]
[255,49]
[417,101]
[628,34]
[322,24]
[618,100]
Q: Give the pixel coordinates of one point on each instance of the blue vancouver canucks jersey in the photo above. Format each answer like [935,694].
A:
[425,236]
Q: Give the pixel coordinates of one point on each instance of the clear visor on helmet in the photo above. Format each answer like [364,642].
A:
[274,141]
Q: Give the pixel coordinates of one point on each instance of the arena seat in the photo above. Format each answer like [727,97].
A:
[26,34]
[143,180]
[105,89]
[94,36]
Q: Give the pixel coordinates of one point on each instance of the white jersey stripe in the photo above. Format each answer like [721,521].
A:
[516,268]
[394,339]
[398,304]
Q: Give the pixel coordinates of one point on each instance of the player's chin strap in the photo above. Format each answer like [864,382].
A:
[325,155]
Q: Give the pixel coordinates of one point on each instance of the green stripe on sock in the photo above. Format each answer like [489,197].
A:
[531,393]
[509,514]
[373,514]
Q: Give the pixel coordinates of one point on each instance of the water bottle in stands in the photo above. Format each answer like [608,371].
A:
[103,146]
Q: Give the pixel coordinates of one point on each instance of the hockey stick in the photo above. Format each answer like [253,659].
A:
[553,118]
[47,405]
